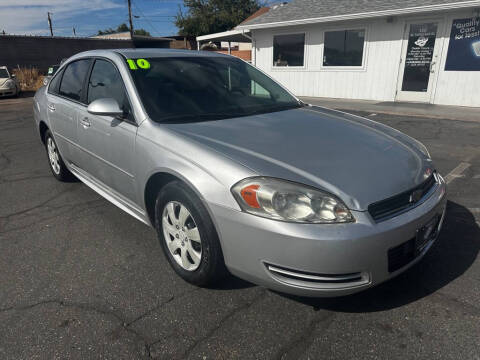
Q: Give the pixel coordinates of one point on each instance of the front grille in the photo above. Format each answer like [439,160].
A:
[400,203]
[320,281]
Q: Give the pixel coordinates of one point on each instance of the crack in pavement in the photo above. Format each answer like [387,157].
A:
[7,161]
[38,206]
[222,322]
[124,324]
[163,303]
[86,307]
[48,209]
[301,343]
[80,211]
[6,180]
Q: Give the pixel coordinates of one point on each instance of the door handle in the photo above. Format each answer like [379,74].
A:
[51,107]
[432,70]
[85,122]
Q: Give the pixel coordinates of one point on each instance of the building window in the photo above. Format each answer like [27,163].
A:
[344,48]
[288,50]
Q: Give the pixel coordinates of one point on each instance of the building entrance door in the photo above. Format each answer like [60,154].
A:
[419,62]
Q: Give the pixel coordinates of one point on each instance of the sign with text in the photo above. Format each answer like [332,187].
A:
[421,44]
[464,47]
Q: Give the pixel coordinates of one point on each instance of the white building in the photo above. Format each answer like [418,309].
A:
[421,51]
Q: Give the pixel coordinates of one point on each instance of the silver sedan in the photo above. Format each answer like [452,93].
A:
[238,175]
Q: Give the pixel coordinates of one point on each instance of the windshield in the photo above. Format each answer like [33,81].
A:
[3,73]
[205,88]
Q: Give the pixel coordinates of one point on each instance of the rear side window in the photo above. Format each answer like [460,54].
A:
[73,79]
[106,82]
[55,83]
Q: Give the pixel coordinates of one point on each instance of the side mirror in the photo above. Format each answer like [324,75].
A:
[14,76]
[45,81]
[105,107]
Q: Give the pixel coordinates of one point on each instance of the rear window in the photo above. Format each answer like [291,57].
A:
[73,79]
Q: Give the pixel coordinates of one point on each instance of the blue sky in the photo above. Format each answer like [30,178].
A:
[87,16]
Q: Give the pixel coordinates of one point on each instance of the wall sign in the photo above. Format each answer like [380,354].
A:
[421,43]
[464,47]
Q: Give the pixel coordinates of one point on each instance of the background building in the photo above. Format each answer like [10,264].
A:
[421,51]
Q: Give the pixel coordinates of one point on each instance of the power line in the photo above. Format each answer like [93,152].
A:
[147,20]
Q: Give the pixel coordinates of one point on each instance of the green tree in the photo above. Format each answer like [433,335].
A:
[123,28]
[211,16]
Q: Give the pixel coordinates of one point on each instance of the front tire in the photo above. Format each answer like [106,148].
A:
[187,235]
[57,166]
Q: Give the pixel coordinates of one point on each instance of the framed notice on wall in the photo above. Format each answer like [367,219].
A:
[464,47]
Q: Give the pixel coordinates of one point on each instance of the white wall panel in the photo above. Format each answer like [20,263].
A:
[375,81]
[378,78]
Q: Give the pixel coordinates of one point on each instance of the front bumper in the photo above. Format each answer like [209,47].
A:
[8,92]
[321,260]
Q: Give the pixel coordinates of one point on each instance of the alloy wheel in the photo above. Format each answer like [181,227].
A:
[182,236]
[53,155]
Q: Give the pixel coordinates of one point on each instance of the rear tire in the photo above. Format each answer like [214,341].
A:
[187,235]
[57,166]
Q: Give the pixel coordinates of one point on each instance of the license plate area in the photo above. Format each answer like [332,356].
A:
[426,234]
[403,254]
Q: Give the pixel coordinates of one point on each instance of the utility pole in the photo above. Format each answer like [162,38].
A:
[74,32]
[130,17]
[50,23]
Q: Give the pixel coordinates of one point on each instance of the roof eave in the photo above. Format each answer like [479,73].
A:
[220,35]
[396,12]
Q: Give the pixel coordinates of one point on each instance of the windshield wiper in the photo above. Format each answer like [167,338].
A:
[188,117]
[270,109]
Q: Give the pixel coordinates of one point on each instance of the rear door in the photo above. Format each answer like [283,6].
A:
[107,142]
[64,100]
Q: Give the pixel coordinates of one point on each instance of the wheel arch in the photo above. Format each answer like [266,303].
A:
[161,178]
[42,128]
[153,186]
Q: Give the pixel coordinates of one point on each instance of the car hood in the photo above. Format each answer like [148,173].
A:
[3,81]
[357,159]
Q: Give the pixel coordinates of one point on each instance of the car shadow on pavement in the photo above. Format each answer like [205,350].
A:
[26,94]
[232,282]
[23,94]
[453,253]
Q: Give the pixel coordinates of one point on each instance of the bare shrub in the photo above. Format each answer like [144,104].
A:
[30,79]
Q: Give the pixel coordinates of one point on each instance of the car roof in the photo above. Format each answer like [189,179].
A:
[149,53]
[3,67]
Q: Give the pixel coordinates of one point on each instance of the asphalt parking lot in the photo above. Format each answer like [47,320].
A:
[79,278]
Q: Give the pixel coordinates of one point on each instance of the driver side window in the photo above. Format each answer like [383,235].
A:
[106,82]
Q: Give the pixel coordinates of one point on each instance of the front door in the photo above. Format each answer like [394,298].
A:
[107,143]
[419,62]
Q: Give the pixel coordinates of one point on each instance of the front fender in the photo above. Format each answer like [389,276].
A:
[207,172]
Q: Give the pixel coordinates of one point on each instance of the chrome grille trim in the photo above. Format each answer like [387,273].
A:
[400,203]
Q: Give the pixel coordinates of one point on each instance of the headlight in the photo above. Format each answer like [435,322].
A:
[287,201]
[10,84]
